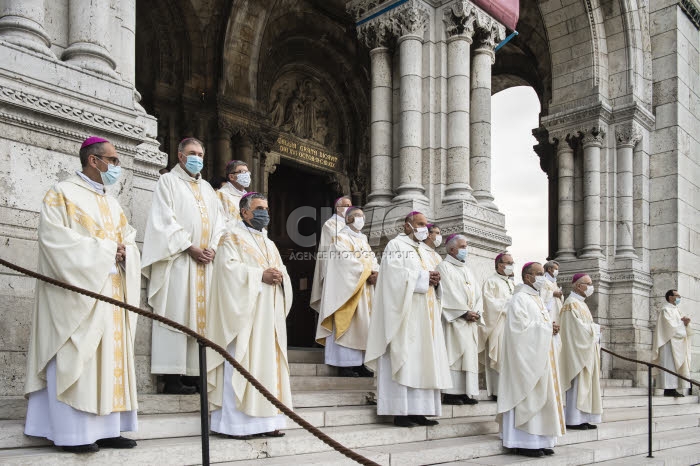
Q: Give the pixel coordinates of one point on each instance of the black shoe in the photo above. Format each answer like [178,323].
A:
[174,385]
[547,451]
[591,426]
[494,398]
[578,427]
[79,449]
[452,400]
[347,372]
[116,442]
[669,392]
[469,401]
[403,421]
[362,371]
[423,421]
[536,453]
[192,381]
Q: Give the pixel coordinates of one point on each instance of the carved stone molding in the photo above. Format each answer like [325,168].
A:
[598,114]
[69,112]
[592,136]
[148,153]
[411,19]
[376,34]
[489,32]
[627,134]
[460,19]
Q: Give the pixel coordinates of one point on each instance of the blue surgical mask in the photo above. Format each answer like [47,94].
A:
[462,255]
[261,218]
[678,301]
[194,164]
[243,179]
[111,175]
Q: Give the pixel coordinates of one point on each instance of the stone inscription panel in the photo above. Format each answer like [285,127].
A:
[299,151]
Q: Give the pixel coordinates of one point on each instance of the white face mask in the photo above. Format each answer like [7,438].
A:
[589,290]
[555,273]
[508,270]
[420,233]
[243,179]
[438,240]
[358,223]
[539,282]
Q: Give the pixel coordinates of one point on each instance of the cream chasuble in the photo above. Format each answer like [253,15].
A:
[580,355]
[497,292]
[185,211]
[460,294]
[529,387]
[552,304]
[347,297]
[671,347]
[406,323]
[328,234]
[91,342]
[230,199]
[251,315]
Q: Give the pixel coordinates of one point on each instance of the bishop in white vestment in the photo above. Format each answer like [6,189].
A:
[552,296]
[250,301]
[406,343]
[579,359]
[497,292]
[328,233]
[671,345]
[182,234]
[81,379]
[530,409]
[351,273]
[231,191]
[461,313]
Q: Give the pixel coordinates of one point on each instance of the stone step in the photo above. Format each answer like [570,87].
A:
[305,355]
[624,391]
[304,383]
[615,382]
[632,401]
[623,414]
[310,369]
[681,456]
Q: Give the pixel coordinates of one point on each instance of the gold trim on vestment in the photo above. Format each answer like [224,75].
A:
[201,287]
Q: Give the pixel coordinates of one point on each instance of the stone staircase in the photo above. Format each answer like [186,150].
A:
[467,435]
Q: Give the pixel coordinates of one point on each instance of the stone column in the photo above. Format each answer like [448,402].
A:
[223,150]
[565,160]
[459,28]
[88,22]
[22,24]
[592,142]
[412,23]
[627,137]
[488,34]
[377,37]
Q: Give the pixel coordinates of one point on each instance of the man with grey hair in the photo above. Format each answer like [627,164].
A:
[346,304]
[237,180]
[551,295]
[182,234]
[461,314]
[328,234]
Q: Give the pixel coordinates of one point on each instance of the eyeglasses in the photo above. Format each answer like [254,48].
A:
[110,160]
[241,172]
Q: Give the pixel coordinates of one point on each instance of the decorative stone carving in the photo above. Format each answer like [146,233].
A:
[411,19]
[459,19]
[375,34]
[592,136]
[627,135]
[489,32]
[301,107]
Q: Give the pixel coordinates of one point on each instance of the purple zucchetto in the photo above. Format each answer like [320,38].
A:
[578,277]
[527,264]
[335,204]
[449,238]
[248,194]
[92,140]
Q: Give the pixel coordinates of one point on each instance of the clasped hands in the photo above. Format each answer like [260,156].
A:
[434,279]
[555,328]
[272,276]
[201,256]
[121,253]
[471,316]
[372,279]
[686,320]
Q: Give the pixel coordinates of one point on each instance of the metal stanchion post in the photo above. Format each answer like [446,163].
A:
[204,403]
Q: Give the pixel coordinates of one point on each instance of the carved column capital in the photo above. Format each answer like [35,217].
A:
[460,20]
[488,33]
[411,19]
[564,140]
[376,34]
[594,136]
[627,135]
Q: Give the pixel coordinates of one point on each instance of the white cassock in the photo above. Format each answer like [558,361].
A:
[248,318]
[461,293]
[530,407]
[185,211]
[230,199]
[344,317]
[579,362]
[406,343]
[81,379]
[328,233]
[552,304]
[671,348]
[496,294]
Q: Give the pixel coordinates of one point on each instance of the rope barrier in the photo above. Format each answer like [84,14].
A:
[209,344]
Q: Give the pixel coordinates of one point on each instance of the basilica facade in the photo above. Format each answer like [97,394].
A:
[387,100]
